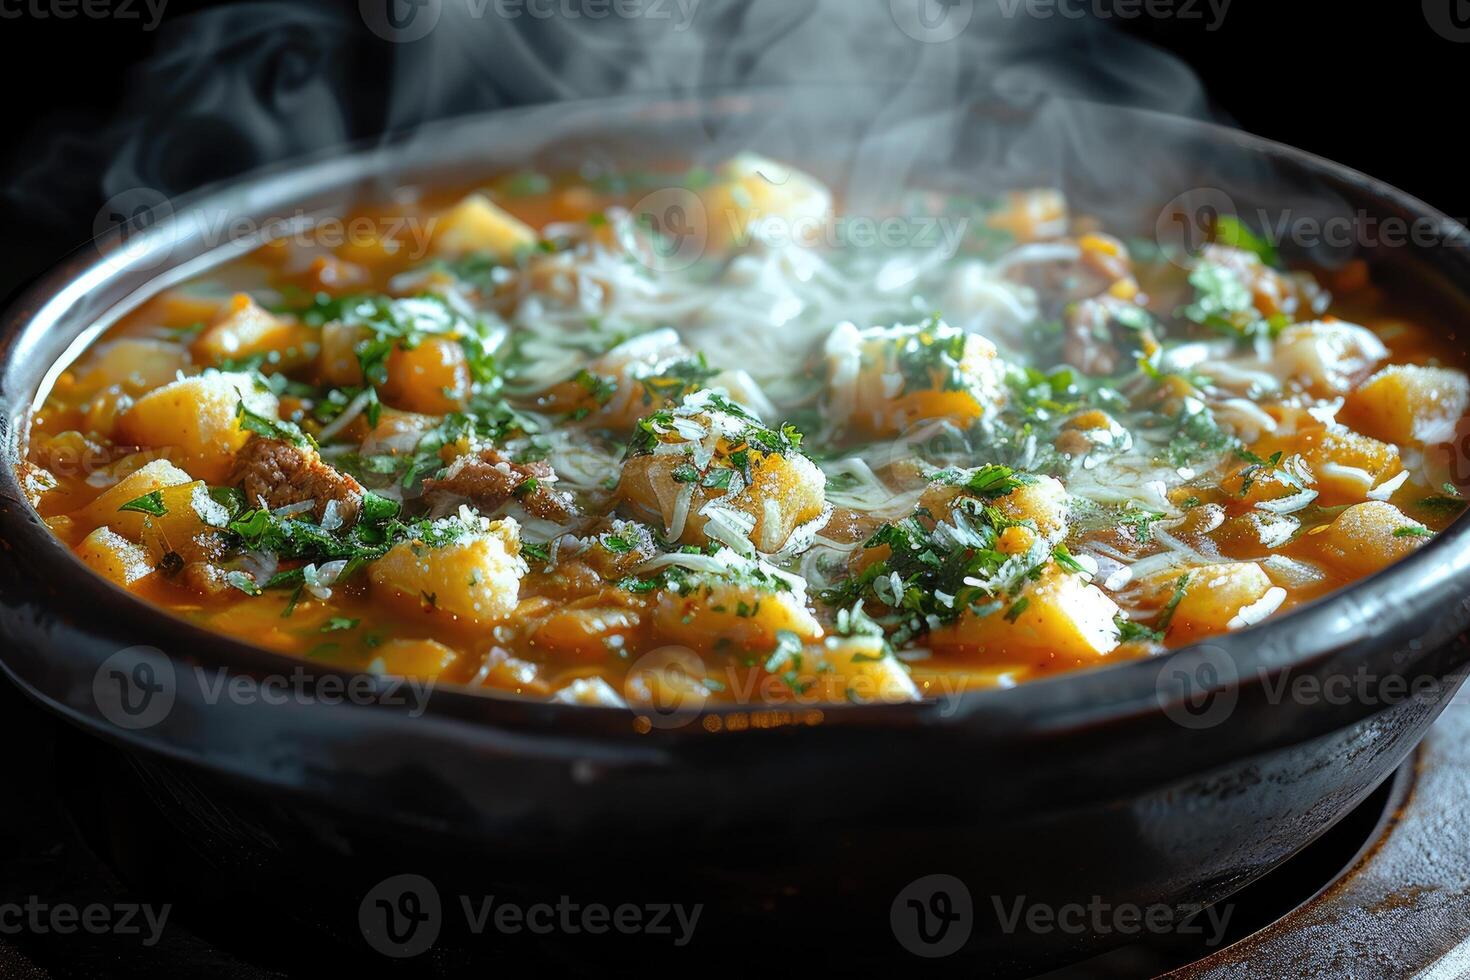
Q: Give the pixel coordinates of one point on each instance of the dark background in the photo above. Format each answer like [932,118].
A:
[1379,91]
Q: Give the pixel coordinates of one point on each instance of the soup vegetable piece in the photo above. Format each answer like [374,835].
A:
[543,458]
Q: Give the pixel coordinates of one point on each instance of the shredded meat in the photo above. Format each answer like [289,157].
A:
[282,474]
[490,480]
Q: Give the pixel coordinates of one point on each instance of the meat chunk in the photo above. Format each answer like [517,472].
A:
[282,474]
[490,479]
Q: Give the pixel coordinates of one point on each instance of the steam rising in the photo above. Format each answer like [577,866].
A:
[235,88]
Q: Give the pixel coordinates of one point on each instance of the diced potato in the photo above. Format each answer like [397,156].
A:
[198,417]
[115,557]
[667,681]
[1347,465]
[134,364]
[1327,357]
[412,658]
[593,692]
[1256,483]
[624,384]
[751,191]
[337,363]
[1222,597]
[1255,533]
[586,629]
[242,330]
[179,310]
[104,409]
[1409,405]
[786,491]
[729,616]
[855,669]
[103,511]
[475,579]
[475,224]
[1031,214]
[1367,537]
[188,525]
[884,381]
[1043,500]
[433,377]
[1063,620]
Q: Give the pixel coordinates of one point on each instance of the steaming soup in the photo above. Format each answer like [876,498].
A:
[645,438]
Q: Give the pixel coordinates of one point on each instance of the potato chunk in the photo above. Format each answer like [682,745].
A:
[137,364]
[1327,357]
[474,578]
[197,416]
[144,480]
[1223,597]
[587,629]
[1367,537]
[1042,500]
[188,526]
[1409,405]
[242,330]
[476,224]
[755,195]
[115,557]
[412,658]
[433,377]
[743,608]
[884,381]
[1348,465]
[1063,619]
[855,669]
[709,469]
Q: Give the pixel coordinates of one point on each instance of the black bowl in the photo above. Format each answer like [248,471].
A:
[1169,782]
